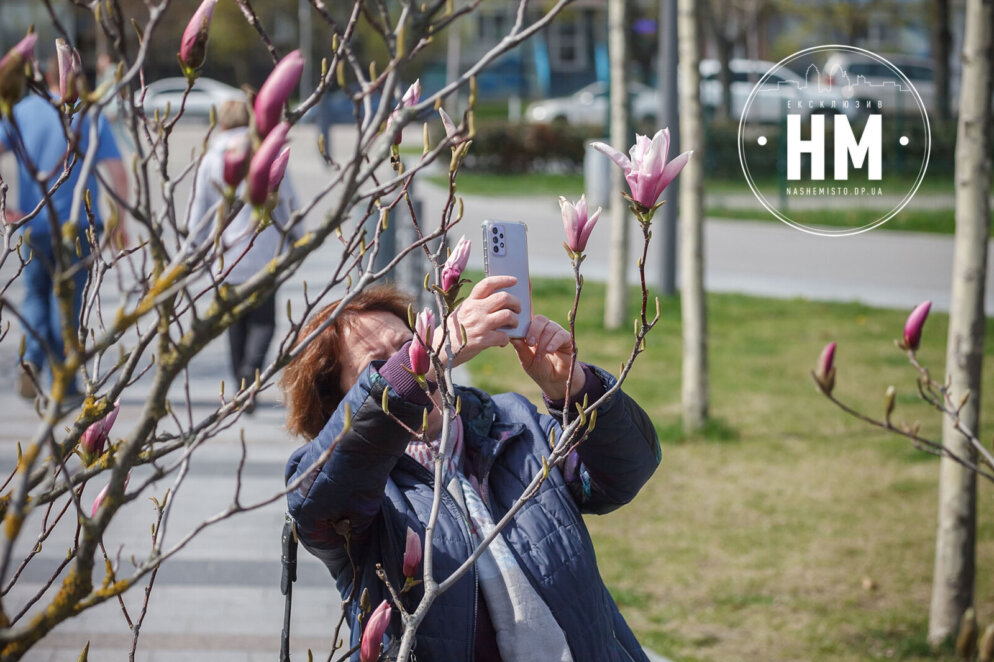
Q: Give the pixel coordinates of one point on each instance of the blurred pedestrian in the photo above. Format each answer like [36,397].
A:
[241,252]
[37,137]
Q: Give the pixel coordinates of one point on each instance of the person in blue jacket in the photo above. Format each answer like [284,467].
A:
[536,593]
[37,138]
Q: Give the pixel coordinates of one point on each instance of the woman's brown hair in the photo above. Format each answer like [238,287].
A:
[311,383]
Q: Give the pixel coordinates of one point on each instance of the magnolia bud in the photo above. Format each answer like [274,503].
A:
[412,554]
[913,327]
[372,634]
[825,370]
[889,403]
[193,47]
[275,91]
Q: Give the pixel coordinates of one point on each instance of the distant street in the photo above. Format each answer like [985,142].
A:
[219,598]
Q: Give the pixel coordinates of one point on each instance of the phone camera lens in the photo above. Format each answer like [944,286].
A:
[502,244]
[495,230]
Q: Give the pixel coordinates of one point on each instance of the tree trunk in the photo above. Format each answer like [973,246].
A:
[616,303]
[941,45]
[695,362]
[952,585]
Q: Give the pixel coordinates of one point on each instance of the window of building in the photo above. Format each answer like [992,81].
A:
[567,45]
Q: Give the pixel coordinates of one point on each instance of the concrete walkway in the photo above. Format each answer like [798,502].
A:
[219,598]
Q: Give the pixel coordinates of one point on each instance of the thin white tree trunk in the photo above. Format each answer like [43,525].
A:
[952,584]
[695,353]
[616,302]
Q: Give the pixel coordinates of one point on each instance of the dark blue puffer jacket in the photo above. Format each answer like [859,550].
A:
[353,512]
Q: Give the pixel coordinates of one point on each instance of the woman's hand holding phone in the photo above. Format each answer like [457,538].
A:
[545,355]
[486,314]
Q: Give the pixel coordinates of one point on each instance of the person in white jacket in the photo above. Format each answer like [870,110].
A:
[240,253]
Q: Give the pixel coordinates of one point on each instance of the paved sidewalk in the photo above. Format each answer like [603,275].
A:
[219,598]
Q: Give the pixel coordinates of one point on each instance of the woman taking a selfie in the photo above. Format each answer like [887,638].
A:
[535,593]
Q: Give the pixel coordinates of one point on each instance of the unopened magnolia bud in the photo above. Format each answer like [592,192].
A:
[913,327]
[275,92]
[966,640]
[455,264]
[372,634]
[825,370]
[193,47]
[412,554]
[985,652]
[364,603]
[889,403]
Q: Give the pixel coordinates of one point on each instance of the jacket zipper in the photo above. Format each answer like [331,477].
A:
[614,636]
[454,507]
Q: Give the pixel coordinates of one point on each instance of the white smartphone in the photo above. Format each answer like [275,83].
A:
[505,253]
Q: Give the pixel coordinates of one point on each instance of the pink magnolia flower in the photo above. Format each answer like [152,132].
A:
[237,155]
[647,171]
[825,369]
[262,164]
[411,98]
[278,169]
[193,47]
[276,90]
[372,634]
[103,495]
[456,263]
[70,71]
[91,444]
[412,554]
[576,222]
[424,328]
[913,327]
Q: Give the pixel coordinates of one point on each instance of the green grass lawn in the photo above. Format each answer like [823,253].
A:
[571,185]
[940,221]
[788,531]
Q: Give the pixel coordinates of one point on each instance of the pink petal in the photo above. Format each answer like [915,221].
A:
[613,154]
[589,227]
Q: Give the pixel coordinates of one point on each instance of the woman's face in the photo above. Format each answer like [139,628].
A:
[376,335]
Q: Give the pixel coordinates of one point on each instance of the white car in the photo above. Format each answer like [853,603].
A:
[769,105]
[863,77]
[206,92]
[589,105]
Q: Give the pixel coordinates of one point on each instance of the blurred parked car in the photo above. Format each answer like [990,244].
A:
[861,70]
[206,92]
[588,105]
[769,105]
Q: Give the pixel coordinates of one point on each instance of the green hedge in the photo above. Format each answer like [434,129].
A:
[501,147]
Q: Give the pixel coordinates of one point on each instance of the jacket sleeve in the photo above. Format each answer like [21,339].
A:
[618,457]
[345,492]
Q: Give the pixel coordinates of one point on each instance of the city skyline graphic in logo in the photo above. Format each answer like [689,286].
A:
[849,138]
